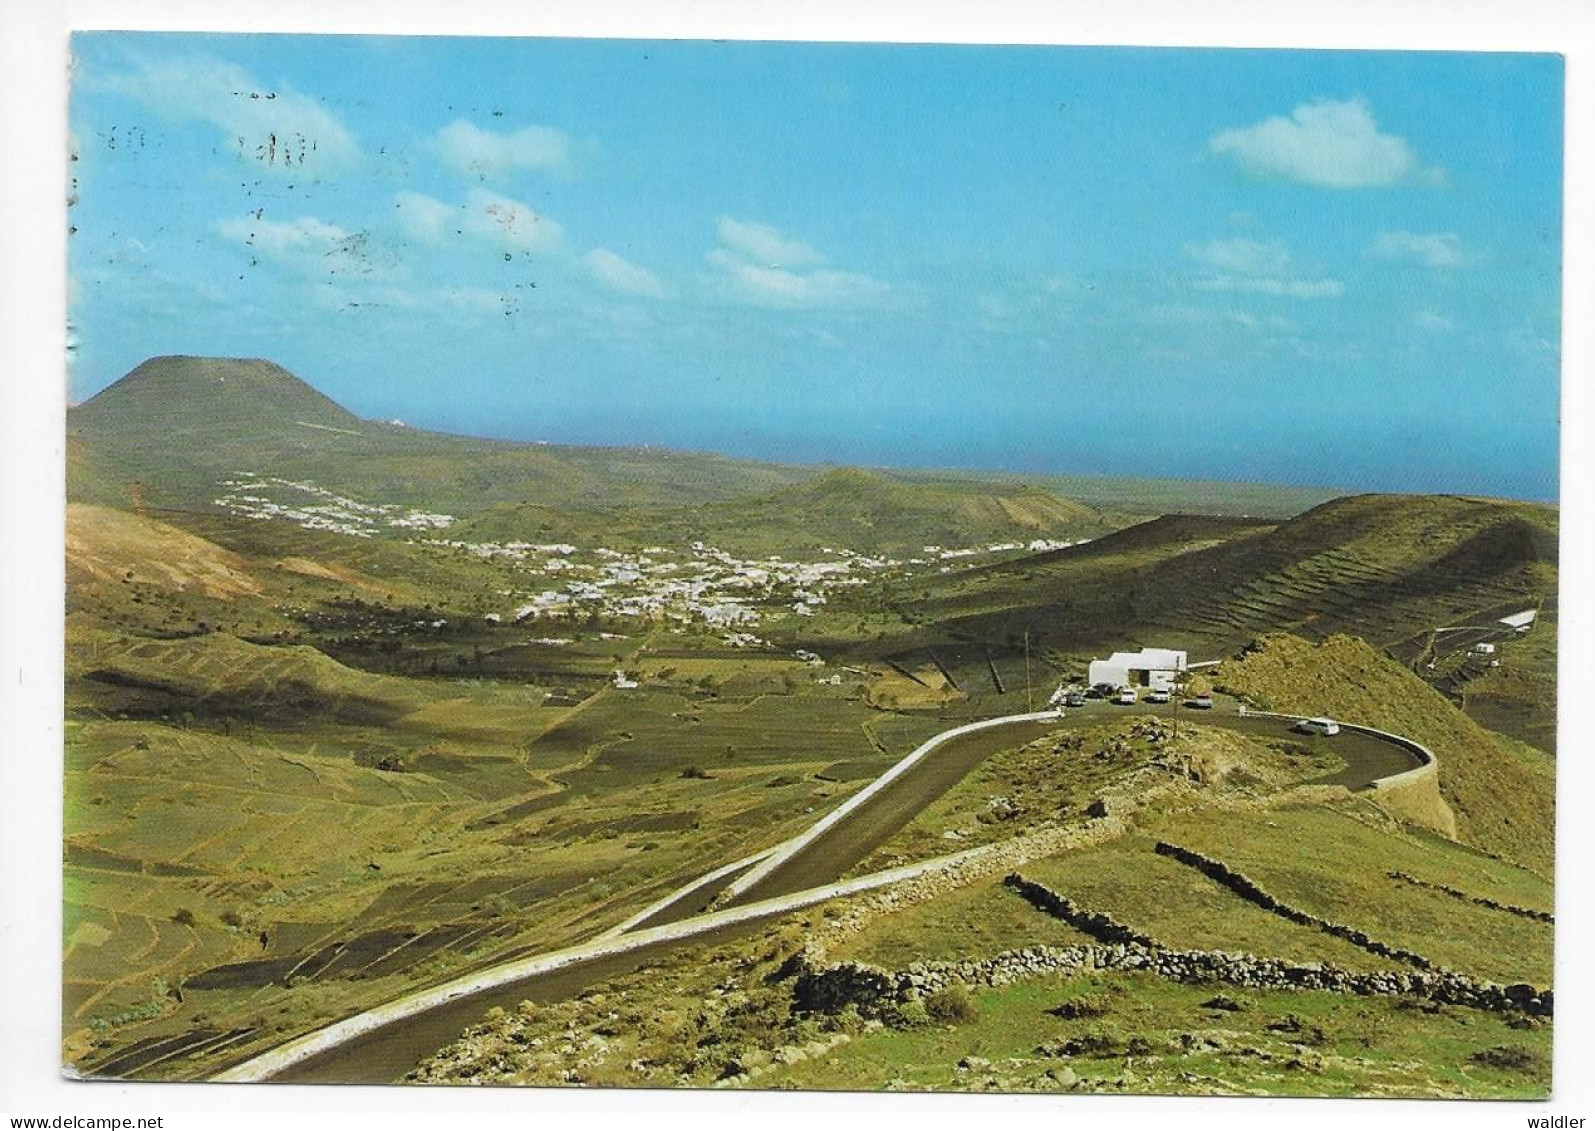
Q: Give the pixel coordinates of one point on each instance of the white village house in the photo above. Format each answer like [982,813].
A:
[1157,668]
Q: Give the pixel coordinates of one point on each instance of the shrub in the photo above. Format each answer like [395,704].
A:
[183,917]
[1514,1058]
[953,1004]
[909,1015]
[1086,1005]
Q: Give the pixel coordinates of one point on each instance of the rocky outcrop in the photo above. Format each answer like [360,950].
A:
[1249,890]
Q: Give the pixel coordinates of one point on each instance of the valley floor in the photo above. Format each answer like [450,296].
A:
[311,770]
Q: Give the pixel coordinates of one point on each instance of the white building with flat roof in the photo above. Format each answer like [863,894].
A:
[1150,667]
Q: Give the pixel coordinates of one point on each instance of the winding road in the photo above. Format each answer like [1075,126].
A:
[382,1044]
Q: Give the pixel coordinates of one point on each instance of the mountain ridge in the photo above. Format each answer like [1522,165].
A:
[176,428]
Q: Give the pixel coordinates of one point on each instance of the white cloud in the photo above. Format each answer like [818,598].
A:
[422,218]
[1328,144]
[508,223]
[1061,284]
[472,149]
[772,286]
[305,241]
[1433,322]
[484,217]
[622,276]
[1276,288]
[1435,249]
[766,246]
[471,300]
[759,265]
[991,306]
[1184,314]
[282,130]
[1243,256]
[285,238]
[1176,314]
[1257,267]
[311,246]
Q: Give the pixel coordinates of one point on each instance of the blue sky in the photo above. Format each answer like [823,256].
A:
[1331,268]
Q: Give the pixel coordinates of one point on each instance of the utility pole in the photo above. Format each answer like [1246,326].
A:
[1030,703]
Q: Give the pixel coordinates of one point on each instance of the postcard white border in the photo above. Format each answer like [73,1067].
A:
[33,57]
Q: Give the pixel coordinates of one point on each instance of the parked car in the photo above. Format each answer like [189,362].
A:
[1074,699]
[1125,695]
[1102,691]
[1158,695]
[1321,726]
[1200,702]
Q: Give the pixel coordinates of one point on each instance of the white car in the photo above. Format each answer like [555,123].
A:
[1157,695]
[1321,726]
[1125,695]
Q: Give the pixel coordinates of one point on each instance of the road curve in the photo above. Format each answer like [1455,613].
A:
[381,1044]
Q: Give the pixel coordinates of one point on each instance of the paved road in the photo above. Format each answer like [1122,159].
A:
[387,1053]
[843,846]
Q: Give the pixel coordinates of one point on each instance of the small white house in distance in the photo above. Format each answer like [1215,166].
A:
[1520,622]
[1150,667]
[1484,649]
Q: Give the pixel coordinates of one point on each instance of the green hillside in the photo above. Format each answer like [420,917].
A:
[1388,568]
[1502,792]
[220,398]
[860,510]
[175,427]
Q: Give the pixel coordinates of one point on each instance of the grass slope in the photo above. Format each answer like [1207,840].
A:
[169,430]
[841,507]
[173,427]
[724,1015]
[1502,792]
[1388,568]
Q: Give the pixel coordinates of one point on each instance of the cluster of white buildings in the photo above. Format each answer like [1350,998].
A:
[697,585]
[247,494]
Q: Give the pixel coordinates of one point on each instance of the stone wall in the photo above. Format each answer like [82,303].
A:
[1480,900]
[1098,924]
[1249,890]
[961,870]
[877,993]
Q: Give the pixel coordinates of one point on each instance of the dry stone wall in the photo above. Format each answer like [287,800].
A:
[1249,890]
[878,993]
[1098,924]
[1480,900]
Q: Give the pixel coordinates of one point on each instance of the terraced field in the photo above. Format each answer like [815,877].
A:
[260,837]
[1386,568]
